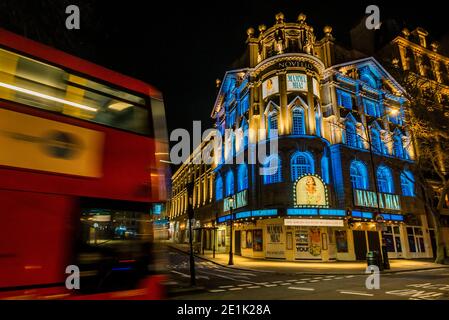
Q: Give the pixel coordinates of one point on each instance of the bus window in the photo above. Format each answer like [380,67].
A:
[43,86]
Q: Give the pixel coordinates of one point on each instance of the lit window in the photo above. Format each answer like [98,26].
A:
[372,108]
[398,147]
[359,175]
[272,170]
[229,183]
[344,99]
[351,134]
[242,177]
[385,180]
[301,164]
[218,188]
[273,124]
[376,141]
[407,184]
[298,121]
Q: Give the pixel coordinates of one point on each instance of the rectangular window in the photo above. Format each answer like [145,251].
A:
[371,108]
[344,99]
[32,83]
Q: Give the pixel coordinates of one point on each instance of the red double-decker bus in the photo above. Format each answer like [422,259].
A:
[82,176]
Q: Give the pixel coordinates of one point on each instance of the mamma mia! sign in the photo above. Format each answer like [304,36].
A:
[240,200]
[364,198]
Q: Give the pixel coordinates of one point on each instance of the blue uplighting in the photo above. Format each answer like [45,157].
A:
[397,217]
[332,212]
[264,213]
[361,214]
[302,212]
[224,218]
[241,215]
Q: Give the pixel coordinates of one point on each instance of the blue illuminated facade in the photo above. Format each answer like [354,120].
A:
[341,135]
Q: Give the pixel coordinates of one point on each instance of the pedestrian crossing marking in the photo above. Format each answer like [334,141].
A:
[301,288]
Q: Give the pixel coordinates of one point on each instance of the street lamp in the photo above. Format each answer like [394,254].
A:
[384,253]
[190,213]
[231,256]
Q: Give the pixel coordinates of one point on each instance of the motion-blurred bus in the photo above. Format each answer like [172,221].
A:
[83,171]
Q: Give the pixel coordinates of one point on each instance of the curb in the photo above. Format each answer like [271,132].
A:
[305,273]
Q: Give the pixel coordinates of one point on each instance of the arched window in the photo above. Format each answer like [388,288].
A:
[272,170]
[242,177]
[398,147]
[325,169]
[385,180]
[407,184]
[218,187]
[272,124]
[351,134]
[229,183]
[376,141]
[359,175]
[298,121]
[301,163]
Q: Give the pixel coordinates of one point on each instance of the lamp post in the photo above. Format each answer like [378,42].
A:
[190,213]
[231,256]
[384,252]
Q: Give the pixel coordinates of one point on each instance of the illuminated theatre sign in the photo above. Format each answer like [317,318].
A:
[364,198]
[240,200]
[296,81]
[309,191]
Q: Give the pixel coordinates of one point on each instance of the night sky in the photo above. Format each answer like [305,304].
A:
[181,47]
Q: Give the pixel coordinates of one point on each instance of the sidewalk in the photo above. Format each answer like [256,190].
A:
[304,267]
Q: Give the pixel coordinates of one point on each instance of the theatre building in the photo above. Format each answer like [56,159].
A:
[341,179]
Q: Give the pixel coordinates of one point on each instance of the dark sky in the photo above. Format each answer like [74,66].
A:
[181,47]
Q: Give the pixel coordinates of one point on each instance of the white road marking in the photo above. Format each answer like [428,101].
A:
[244,285]
[314,281]
[235,289]
[216,290]
[271,285]
[279,281]
[327,279]
[219,275]
[301,288]
[225,287]
[253,287]
[318,278]
[357,293]
[285,284]
[338,278]
[291,280]
[236,273]
[349,276]
[298,282]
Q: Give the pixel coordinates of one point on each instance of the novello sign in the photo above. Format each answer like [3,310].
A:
[240,200]
[364,198]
